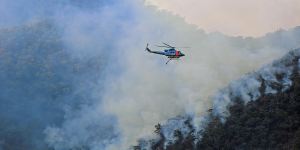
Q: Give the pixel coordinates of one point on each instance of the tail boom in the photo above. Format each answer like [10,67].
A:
[155,52]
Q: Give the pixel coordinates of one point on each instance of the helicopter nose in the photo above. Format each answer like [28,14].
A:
[182,55]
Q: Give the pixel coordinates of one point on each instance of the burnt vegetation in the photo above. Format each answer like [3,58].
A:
[270,122]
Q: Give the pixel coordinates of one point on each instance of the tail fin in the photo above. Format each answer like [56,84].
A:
[147,49]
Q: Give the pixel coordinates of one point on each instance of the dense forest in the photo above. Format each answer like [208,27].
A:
[270,122]
[39,78]
[43,84]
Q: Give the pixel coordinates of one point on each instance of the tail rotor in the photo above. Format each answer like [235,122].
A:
[147,49]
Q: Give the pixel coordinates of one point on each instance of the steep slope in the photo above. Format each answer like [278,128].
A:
[46,90]
[39,84]
[270,122]
[31,84]
[258,111]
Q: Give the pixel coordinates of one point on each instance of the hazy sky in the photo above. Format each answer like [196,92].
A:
[236,17]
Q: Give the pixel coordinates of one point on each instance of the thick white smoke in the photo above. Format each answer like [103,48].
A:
[149,92]
[145,91]
[250,87]
[139,90]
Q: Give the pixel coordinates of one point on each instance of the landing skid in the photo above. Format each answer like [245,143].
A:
[168,60]
[171,59]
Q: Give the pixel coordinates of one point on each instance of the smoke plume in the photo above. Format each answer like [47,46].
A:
[78,71]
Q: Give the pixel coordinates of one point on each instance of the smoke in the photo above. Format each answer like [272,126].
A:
[113,92]
[149,92]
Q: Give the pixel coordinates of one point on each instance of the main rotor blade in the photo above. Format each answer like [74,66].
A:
[162,46]
[168,45]
[171,47]
[183,47]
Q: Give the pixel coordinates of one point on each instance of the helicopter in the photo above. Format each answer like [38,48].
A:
[171,52]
